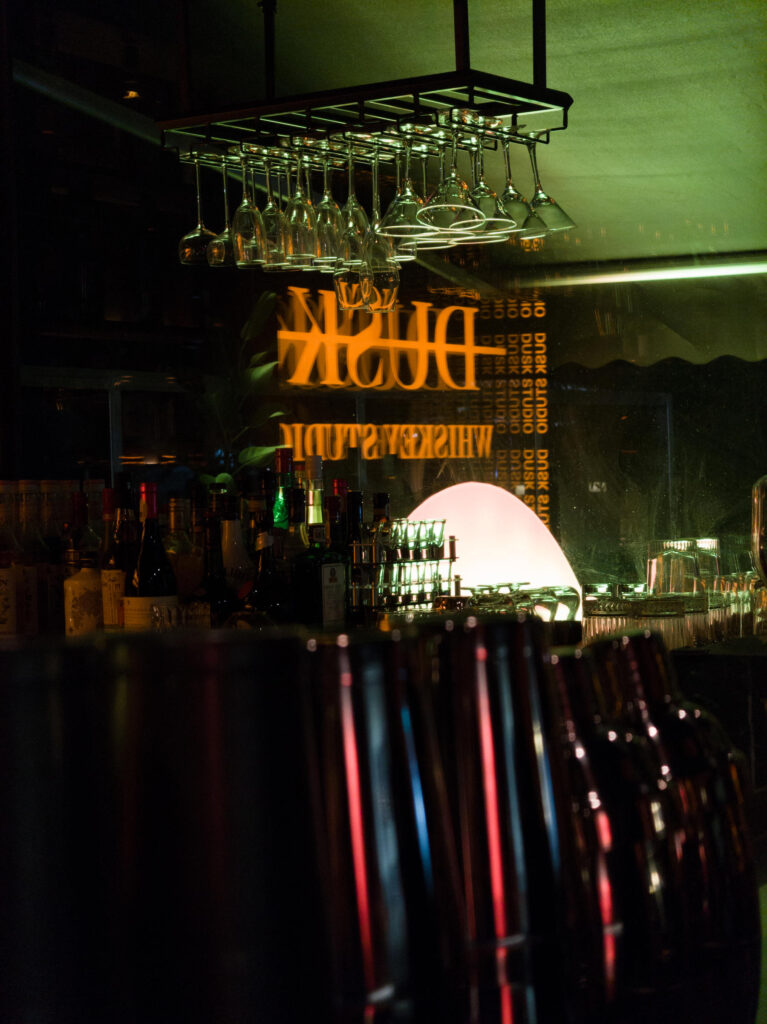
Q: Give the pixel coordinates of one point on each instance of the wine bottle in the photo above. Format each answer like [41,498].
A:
[214,602]
[238,567]
[283,464]
[151,591]
[185,559]
[319,581]
[120,550]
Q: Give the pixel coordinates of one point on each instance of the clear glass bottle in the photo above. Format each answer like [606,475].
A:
[185,558]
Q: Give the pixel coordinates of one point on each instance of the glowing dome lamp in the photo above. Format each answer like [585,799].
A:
[498,538]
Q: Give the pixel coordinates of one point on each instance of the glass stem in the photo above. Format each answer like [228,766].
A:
[507,160]
[245,196]
[351,173]
[268,184]
[226,197]
[325,189]
[376,197]
[534,165]
[197,186]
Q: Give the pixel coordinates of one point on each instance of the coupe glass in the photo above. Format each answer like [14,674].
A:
[330,227]
[248,228]
[221,248]
[451,207]
[193,247]
[542,205]
[302,237]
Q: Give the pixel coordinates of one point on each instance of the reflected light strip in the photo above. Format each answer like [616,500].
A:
[661,274]
[356,825]
[419,804]
[492,816]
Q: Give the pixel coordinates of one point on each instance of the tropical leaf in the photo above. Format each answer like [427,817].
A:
[260,374]
[255,455]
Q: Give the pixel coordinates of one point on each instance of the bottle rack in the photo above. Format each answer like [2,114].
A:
[476,109]
[402,565]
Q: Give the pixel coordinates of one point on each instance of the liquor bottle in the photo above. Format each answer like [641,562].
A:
[238,566]
[214,602]
[151,591]
[9,550]
[119,551]
[185,559]
[727,967]
[319,581]
[283,466]
[32,562]
[83,606]
[314,490]
[292,543]
[265,604]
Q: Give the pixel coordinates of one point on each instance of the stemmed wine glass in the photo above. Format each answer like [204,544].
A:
[513,202]
[542,205]
[383,262]
[433,239]
[221,248]
[302,236]
[248,228]
[330,226]
[498,225]
[275,227]
[401,219]
[451,207]
[193,247]
[353,275]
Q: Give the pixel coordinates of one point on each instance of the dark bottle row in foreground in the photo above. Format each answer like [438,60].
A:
[452,823]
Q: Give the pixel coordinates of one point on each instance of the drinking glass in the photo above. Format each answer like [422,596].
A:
[193,247]
[513,202]
[543,206]
[353,275]
[451,207]
[497,223]
[401,219]
[431,240]
[383,262]
[248,228]
[302,247]
[275,228]
[330,227]
[220,252]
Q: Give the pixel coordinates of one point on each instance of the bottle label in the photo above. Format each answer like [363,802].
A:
[7,601]
[82,602]
[150,613]
[333,595]
[112,594]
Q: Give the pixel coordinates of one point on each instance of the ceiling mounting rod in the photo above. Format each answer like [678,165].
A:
[461,32]
[539,43]
[269,7]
